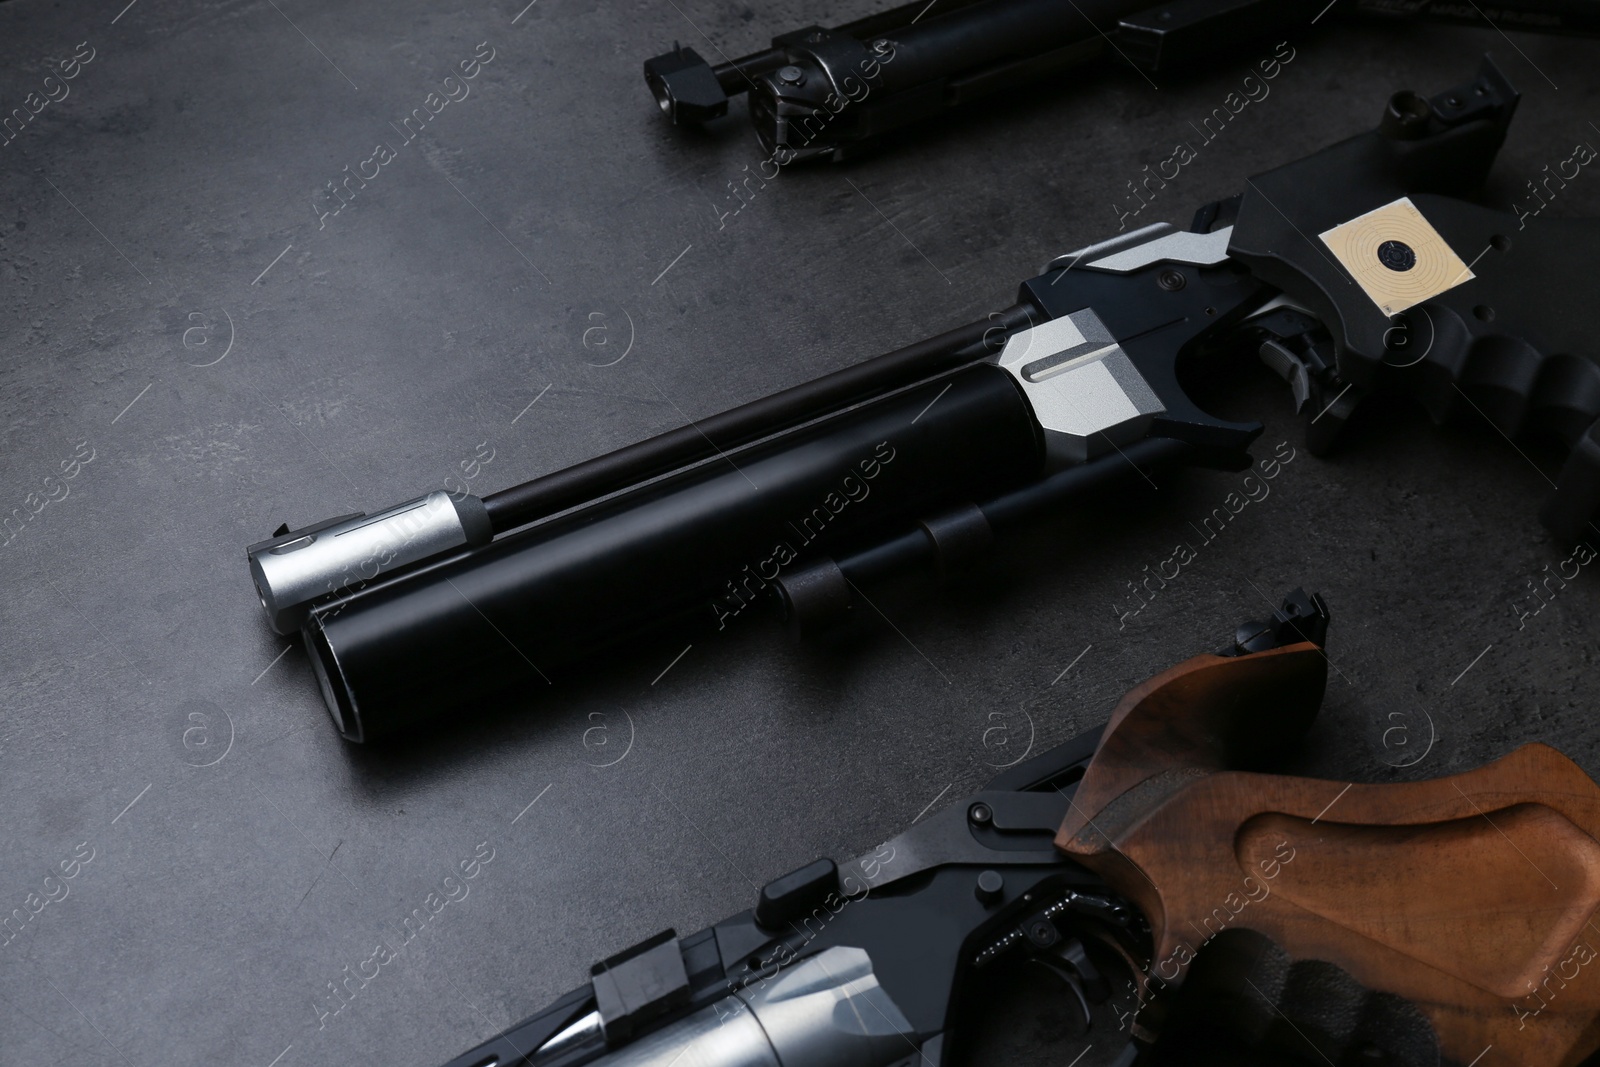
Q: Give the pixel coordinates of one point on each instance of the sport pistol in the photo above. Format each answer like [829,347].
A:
[1358,269]
[1161,867]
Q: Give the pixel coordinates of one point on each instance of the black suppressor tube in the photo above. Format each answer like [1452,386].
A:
[440,640]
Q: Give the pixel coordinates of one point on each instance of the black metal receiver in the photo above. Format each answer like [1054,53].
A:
[1351,271]
[866,963]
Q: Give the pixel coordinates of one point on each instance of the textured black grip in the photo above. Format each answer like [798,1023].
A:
[1246,1002]
[1517,344]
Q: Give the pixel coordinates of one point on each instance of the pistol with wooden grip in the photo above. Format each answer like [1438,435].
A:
[1360,269]
[1426,923]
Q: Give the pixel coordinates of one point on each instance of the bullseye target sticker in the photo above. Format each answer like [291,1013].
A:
[1396,256]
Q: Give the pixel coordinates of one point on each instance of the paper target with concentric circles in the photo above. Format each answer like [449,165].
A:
[1396,256]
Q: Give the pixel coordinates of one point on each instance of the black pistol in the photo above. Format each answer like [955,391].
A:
[1360,269]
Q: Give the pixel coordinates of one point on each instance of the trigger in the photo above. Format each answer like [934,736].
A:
[1068,961]
[1312,378]
[1079,999]
[1291,368]
[1297,348]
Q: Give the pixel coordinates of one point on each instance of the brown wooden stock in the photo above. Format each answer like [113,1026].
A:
[1473,896]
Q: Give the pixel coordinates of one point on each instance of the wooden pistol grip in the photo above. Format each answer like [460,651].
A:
[1473,897]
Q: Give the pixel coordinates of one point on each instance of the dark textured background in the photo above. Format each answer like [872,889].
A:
[377,353]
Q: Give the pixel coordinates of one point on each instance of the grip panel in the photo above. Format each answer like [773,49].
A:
[1473,897]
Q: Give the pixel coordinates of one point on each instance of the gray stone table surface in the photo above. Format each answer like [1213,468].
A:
[195,347]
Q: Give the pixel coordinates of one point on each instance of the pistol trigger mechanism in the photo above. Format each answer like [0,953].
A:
[1288,365]
[1299,349]
[1068,961]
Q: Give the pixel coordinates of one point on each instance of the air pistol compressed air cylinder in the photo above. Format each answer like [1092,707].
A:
[533,605]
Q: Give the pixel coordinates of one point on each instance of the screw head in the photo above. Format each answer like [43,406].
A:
[791,75]
[1171,280]
[990,888]
[980,814]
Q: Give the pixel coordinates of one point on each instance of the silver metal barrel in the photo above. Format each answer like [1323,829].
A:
[825,1011]
[297,568]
